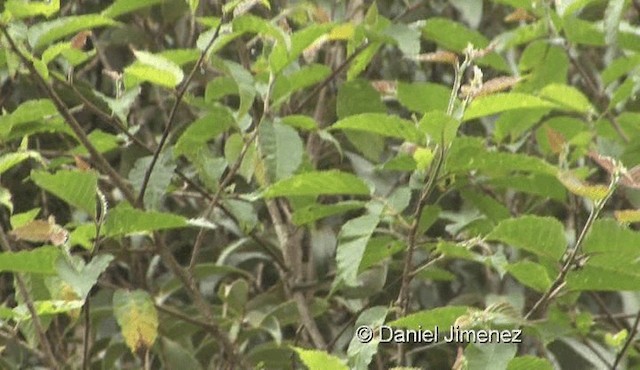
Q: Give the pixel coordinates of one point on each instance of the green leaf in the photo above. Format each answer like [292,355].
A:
[159,180]
[23,9]
[567,96]
[74,187]
[360,354]
[407,38]
[176,356]
[495,356]
[380,124]
[353,239]
[152,68]
[609,237]
[316,211]
[46,308]
[454,36]
[281,149]
[503,102]
[45,33]
[138,319]
[531,274]
[307,76]
[300,121]
[316,183]
[612,17]
[361,61]
[605,278]
[358,96]
[123,220]
[203,130]
[441,317]
[441,127]
[82,276]
[543,236]
[11,159]
[529,363]
[121,7]
[423,97]
[41,260]
[620,67]
[320,360]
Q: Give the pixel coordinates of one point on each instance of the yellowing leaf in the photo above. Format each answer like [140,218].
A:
[41,231]
[342,32]
[137,317]
[423,158]
[627,215]
[578,187]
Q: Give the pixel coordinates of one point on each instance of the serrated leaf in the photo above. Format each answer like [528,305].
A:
[530,274]
[121,7]
[11,159]
[543,236]
[45,33]
[22,9]
[123,220]
[503,102]
[153,68]
[159,180]
[320,360]
[360,354]
[441,317]
[281,149]
[315,212]
[203,130]
[37,261]
[137,317]
[380,124]
[78,188]
[605,278]
[317,183]
[566,96]
[82,276]
[529,363]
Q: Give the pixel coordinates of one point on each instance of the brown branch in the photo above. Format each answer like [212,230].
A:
[37,324]
[627,343]
[75,126]
[172,114]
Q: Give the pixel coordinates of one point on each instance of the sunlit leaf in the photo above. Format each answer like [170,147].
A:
[316,183]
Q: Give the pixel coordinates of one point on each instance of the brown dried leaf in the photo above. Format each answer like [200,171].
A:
[441,56]
[386,87]
[497,84]
[41,231]
[556,139]
[81,163]
[80,39]
[519,15]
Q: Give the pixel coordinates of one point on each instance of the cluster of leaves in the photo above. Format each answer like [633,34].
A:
[242,184]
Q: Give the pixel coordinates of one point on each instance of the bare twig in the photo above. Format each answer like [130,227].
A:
[75,126]
[627,343]
[37,324]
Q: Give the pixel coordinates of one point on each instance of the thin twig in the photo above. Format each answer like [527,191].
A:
[573,253]
[174,110]
[75,126]
[627,343]
[37,324]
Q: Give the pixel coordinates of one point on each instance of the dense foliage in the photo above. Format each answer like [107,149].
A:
[242,184]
